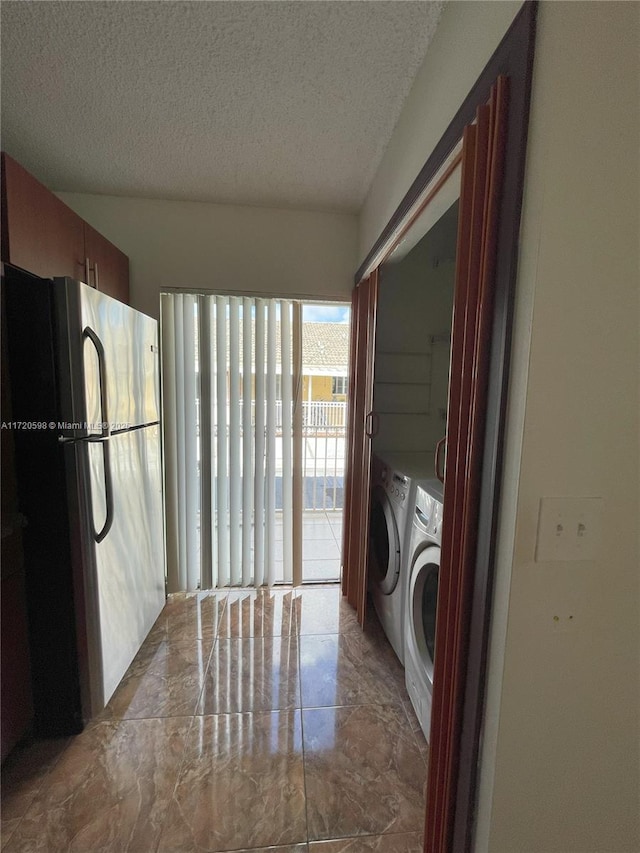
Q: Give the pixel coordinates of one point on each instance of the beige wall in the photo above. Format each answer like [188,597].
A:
[209,246]
[566,757]
[466,37]
[559,767]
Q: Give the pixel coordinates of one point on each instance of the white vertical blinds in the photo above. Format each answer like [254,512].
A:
[221,428]
[227,439]
[178,332]
[206,364]
[235,471]
[170,436]
[287,425]
[260,442]
[270,480]
[248,441]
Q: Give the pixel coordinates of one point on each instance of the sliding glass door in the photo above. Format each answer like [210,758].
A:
[255,397]
[231,393]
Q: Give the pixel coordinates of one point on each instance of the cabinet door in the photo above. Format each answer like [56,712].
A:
[108,266]
[355,545]
[39,233]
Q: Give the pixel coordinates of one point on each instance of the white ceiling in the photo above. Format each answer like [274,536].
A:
[268,103]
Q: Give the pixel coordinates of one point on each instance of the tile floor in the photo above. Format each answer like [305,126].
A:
[249,721]
[321,546]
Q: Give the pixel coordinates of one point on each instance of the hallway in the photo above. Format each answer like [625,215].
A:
[249,721]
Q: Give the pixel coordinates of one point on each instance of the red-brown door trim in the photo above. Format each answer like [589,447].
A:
[356,515]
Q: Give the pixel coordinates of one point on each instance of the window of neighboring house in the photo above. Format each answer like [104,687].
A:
[339,385]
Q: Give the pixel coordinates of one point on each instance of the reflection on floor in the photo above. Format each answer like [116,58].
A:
[249,721]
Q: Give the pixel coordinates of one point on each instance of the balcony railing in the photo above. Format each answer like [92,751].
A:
[323,448]
[324,426]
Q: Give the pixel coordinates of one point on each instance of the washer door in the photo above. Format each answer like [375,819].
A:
[384,543]
[423,601]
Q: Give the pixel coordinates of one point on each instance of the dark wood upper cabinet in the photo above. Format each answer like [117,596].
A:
[42,235]
[108,266]
[39,232]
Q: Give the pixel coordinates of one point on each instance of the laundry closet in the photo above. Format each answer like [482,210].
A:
[413,342]
[412,355]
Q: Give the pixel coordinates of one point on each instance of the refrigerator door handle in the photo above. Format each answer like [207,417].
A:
[108,495]
[102,371]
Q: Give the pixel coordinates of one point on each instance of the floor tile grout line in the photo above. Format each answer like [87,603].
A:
[353,705]
[216,639]
[358,836]
[219,617]
[417,734]
[338,543]
[7,841]
[302,745]
[331,633]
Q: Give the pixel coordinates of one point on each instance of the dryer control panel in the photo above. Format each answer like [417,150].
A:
[396,486]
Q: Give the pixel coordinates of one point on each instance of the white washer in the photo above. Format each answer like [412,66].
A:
[423,566]
[394,479]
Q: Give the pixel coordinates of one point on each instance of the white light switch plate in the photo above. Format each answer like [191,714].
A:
[569,529]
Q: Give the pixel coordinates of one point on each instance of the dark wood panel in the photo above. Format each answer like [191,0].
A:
[354,530]
[108,266]
[482,173]
[17,706]
[40,233]
[350,443]
[15,688]
[356,519]
[450,659]
[368,345]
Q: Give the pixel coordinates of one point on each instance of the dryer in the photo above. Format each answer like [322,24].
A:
[423,566]
[394,480]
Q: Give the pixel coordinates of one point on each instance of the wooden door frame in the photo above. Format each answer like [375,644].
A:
[358,450]
[514,59]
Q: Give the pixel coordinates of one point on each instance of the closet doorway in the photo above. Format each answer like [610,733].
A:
[413,335]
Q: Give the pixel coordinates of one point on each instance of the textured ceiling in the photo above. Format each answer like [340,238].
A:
[268,103]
